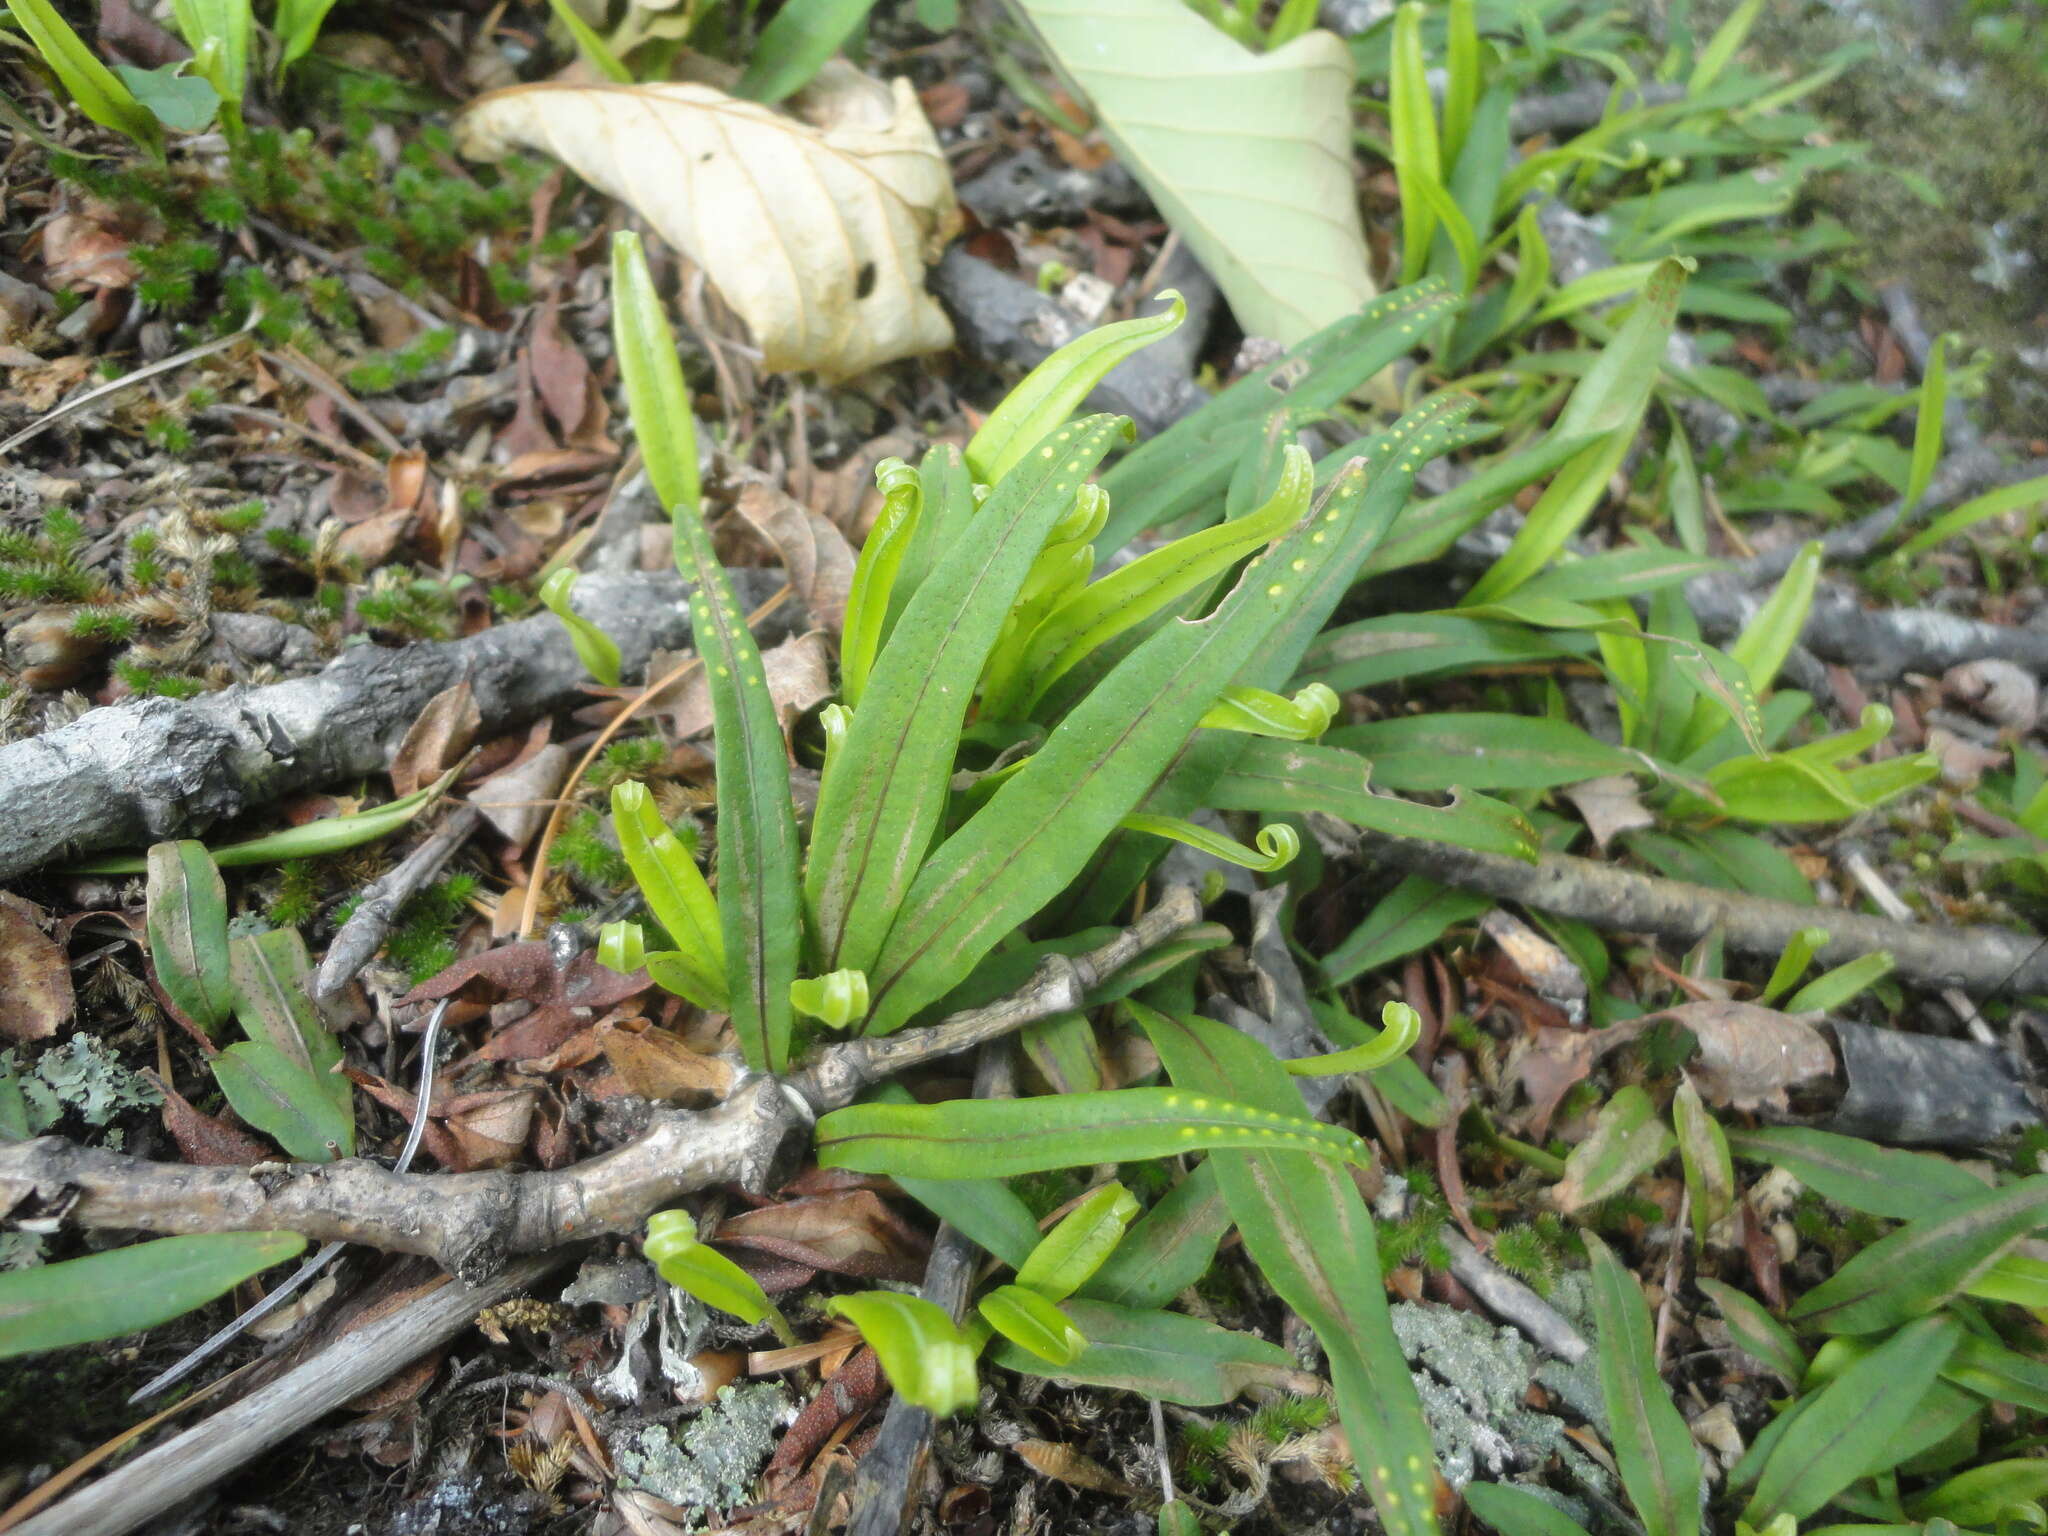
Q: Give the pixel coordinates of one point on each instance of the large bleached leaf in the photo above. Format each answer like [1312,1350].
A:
[1247,154]
[815,233]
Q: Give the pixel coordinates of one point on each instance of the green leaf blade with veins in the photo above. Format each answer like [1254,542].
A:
[886,791]
[1652,1446]
[1162,1355]
[758,905]
[106,1295]
[187,924]
[1247,155]
[1925,1263]
[286,1102]
[1000,1138]
[1054,390]
[1307,1228]
[1041,827]
[1386,467]
[1281,778]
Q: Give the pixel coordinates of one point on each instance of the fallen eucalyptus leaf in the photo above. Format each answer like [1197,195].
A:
[815,233]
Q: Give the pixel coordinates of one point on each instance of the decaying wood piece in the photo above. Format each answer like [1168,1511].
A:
[472,1223]
[132,773]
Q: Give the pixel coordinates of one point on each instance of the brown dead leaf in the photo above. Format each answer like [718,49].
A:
[1549,1069]
[36,999]
[369,543]
[35,390]
[84,249]
[1610,805]
[1049,1458]
[655,1065]
[849,1392]
[564,1001]
[799,674]
[559,372]
[435,742]
[815,234]
[814,553]
[492,1132]
[1749,1055]
[852,1232]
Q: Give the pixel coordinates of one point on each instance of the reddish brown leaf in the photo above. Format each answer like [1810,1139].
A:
[854,1388]
[559,371]
[1559,1059]
[205,1139]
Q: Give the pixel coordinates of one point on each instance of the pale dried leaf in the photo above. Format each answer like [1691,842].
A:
[1611,806]
[814,553]
[1247,155]
[815,234]
[1552,974]
[1749,1055]
[2006,694]
[517,799]
[1963,762]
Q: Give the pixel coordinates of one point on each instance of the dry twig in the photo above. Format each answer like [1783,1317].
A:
[471,1223]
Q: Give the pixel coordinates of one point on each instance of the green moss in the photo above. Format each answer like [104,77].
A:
[635,759]
[1290,1416]
[297,899]
[422,941]
[584,848]
[108,624]
[241,519]
[153,681]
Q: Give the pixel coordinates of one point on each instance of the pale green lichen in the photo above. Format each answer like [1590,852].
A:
[1474,1379]
[713,1461]
[81,1077]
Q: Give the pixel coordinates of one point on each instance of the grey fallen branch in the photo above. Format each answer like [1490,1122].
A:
[133,773]
[472,1223]
[1881,643]
[1977,959]
[1008,321]
[367,927]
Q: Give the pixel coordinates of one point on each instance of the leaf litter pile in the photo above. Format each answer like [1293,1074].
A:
[1149,767]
